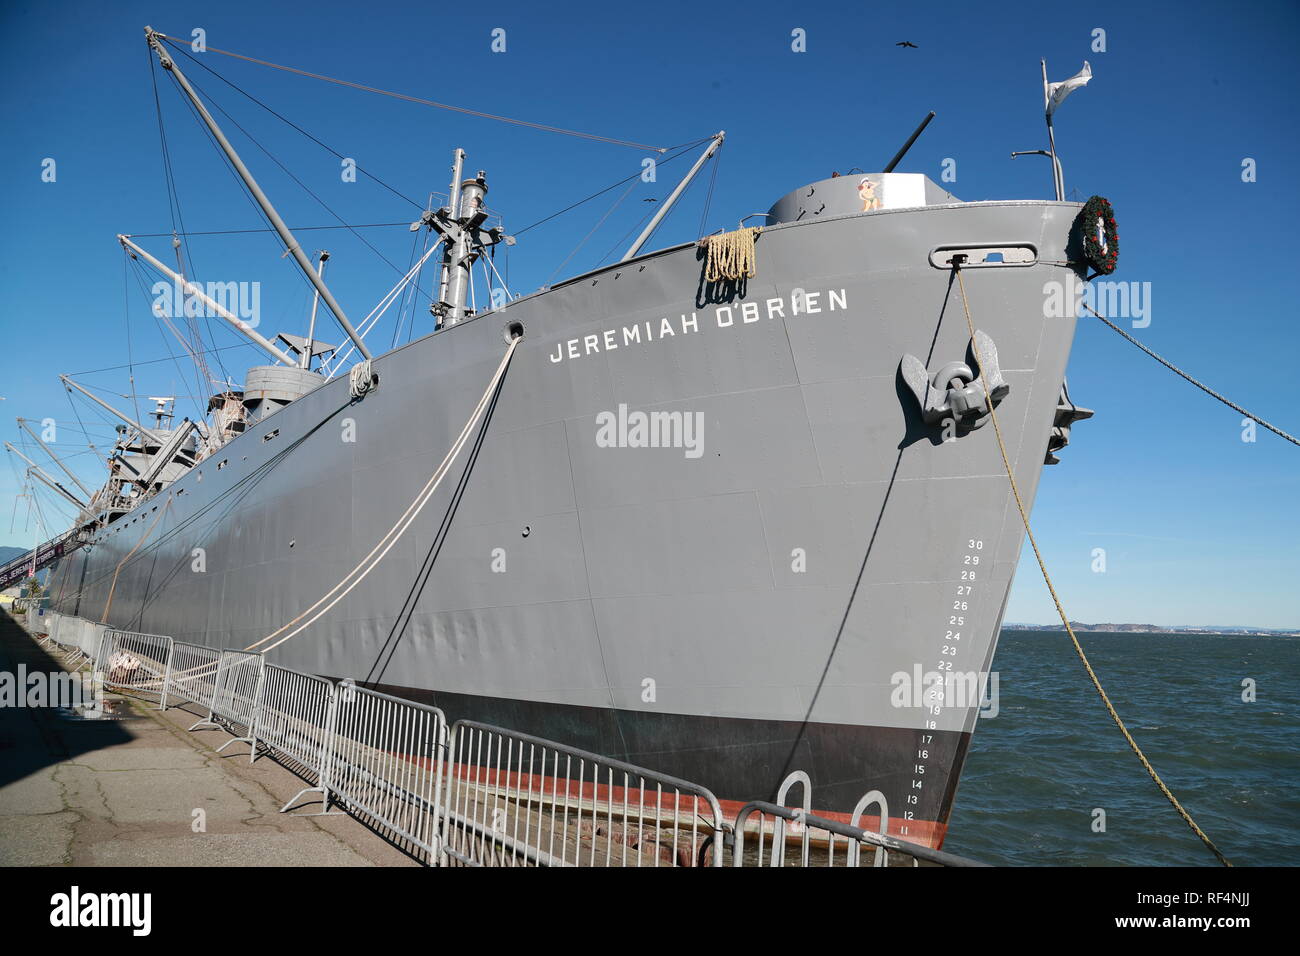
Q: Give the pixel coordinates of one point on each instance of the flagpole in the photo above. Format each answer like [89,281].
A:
[1058,181]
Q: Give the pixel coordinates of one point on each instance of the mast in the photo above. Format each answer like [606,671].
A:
[287,237]
[1058,181]
[234,321]
[112,411]
[460,224]
[454,282]
[22,423]
[315,302]
[37,472]
[712,148]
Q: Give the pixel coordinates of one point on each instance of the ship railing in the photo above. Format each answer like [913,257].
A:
[295,722]
[518,800]
[236,693]
[771,835]
[193,676]
[385,764]
[135,662]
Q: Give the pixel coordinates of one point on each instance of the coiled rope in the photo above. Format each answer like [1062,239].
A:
[360,379]
[730,254]
[1042,566]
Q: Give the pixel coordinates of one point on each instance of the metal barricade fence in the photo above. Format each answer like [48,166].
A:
[295,719]
[518,800]
[193,673]
[136,662]
[772,828]
[385,763]
[822,842]
[69,638]
[91,635]
[81,638]
[494,796]
[47,629]
[236,695]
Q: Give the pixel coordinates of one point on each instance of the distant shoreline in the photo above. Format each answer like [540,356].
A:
[1156,629]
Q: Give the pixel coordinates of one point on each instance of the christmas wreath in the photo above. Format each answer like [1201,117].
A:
[1100,236]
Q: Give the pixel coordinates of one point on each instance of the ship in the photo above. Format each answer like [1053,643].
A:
[725,510]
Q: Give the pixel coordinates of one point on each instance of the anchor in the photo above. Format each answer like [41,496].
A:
[955,392]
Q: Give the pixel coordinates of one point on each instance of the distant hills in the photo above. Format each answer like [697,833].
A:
[1157,629]
[8,553]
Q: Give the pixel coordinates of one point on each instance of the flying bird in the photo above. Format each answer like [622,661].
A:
[649,200]
[907,43]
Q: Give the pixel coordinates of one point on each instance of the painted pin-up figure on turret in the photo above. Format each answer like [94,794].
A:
[867,191]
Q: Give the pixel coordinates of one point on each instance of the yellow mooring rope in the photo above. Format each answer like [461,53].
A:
[1042,566]
[730,254]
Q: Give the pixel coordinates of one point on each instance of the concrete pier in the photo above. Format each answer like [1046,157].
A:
[141,791]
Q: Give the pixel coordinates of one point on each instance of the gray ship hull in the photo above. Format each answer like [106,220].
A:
[726,612]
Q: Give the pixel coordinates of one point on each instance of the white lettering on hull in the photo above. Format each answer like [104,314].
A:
[798,302]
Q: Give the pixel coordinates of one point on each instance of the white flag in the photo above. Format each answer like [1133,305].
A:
[1057,92]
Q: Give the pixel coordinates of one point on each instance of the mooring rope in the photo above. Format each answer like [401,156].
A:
[730,254]
[1042,566]
[103,618]
[394,534]
[1199,384]
[376,555]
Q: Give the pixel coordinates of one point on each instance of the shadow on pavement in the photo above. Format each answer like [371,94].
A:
[32,738]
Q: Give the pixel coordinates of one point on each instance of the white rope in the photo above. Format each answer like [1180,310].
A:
[360,379]
[394,534]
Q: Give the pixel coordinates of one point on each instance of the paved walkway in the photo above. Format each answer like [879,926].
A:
[128,792]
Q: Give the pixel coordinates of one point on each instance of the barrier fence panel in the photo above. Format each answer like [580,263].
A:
[295,719]
[81,639]
[236,696]
[56,633]
[494,797]
[767,834]
[70,639]
[92,637]
[42,626]
[136,662]
[518,800]
[194,673]
[385,763]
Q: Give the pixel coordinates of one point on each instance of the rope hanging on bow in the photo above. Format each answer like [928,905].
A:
[730,254]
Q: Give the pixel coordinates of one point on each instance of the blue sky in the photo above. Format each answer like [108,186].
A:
[1198,526]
